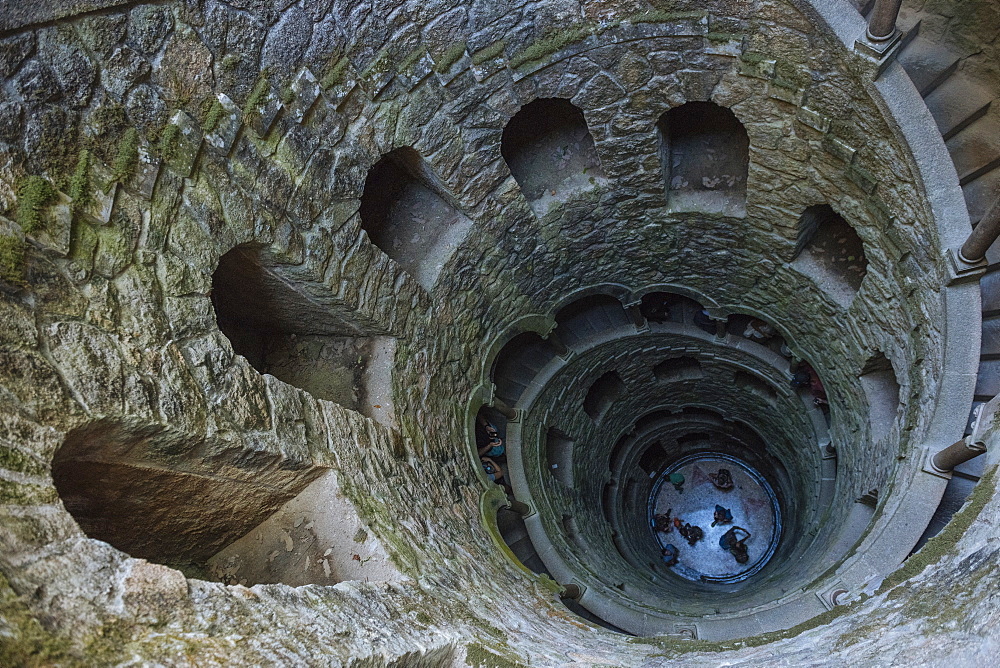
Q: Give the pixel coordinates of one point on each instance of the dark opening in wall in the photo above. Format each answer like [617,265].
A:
[282,331]
[699,437]
[167,496]
[550,152]
[829,250]
[604,392]
[559,456]
[517,363]
[589,317]
[878,378]
[678,368]
[751,383]
[705,154]
[409,214]
[653,459]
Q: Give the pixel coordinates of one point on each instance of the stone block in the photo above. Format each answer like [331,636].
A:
[839,148]
[261,118]
[221,138]
[789,94]
[305,89]
[184,154]
[100,203]
[813,119]
[752,65]
[144,181]
[55,233]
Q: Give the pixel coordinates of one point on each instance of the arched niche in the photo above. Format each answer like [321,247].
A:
[550,152]
[705,155]
[829,250]
[282,331]
[409,214]
[602,393]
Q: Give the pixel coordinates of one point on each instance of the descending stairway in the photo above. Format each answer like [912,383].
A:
[968,117]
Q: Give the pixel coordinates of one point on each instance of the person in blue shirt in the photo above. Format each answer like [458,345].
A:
[494,444]
[732,543]
[670,554]
[722,515]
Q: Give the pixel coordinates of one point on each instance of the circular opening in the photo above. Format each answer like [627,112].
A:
[725,502]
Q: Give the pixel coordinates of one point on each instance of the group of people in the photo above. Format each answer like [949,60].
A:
[733,541]
[490,451]
[806,377]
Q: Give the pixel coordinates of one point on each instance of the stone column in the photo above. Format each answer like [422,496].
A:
[636,316]
[572,590]
[720,328]
[504,409]
[557,344]
[982,237]
[957,453]
[519,507]
[882,22]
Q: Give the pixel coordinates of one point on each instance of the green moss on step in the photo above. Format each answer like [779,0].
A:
[79,183]
[24,641]
[258,95]
[451,56]
[494,50]
[550,45]
[169,140]
[11,260]
[411,59]
[213,117]
[127,157]
[24,494]
[722,37]
[478,656]
[33,194]
[335,73]
[15,460]
[945,541]
[287,93]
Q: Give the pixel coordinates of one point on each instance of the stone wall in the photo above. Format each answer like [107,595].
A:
[174,132]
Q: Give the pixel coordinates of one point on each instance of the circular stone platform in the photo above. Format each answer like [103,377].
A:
[751,500]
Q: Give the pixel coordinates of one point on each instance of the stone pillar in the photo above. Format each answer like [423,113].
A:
[572,590]
[882,22]
[557,344]
[519,507]
[720,328]
[957,453]
[982,237]
[505,410]
[636,316]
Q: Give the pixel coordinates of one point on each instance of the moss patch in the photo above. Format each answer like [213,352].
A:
[494,50]
[15,460]
[258,95]
[12,260]
[169,140]
[213,117]
[335,73]
[23,641]
[544,48]
[945,541]
[19,494]
[79,183]
[33,194]
[451,56]
[127,157]
[478,656]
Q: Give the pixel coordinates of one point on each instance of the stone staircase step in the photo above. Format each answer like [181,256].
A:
[980,194]
[991,336]
[927,64]
[976,149]
[988,379]
[989,287]
[955,101]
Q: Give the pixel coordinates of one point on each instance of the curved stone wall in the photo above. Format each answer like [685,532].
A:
[141,144]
